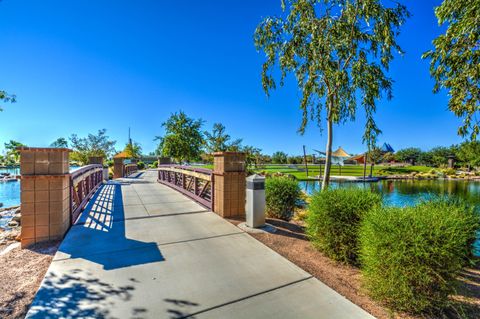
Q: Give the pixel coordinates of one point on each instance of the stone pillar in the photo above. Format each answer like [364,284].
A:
[95,160]
[118,168]
[229,190]
[45,194]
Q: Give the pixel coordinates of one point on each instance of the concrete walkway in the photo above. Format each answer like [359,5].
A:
[142,250]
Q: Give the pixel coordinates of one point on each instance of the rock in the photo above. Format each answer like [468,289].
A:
[17,218]
[17,210]
[12,223]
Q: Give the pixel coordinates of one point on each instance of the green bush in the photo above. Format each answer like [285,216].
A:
[334,218]
[411,256]
[141,165]
[281,195]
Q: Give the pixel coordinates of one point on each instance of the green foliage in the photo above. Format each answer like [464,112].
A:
[183,139]
[408,154]
[60,142]
[411,256]
[5,97]
[334,218]
[220,141]
[281,194]
[338,51]
[279,158]
[455,59]
[92,145]
[155,164]
[13,155]
[133,150]
[141,165]
[468,153]
[253,157]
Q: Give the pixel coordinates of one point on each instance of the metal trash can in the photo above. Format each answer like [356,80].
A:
[255,207]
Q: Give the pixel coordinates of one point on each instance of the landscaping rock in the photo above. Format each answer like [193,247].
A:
[12,223]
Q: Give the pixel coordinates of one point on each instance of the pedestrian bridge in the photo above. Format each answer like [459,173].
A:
[141,249]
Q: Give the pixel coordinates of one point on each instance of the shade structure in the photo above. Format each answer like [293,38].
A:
[122,155]
[340,152]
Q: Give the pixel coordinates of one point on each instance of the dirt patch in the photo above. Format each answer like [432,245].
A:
[21,272]
[290,241]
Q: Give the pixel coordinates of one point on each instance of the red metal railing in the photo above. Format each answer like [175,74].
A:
[196,183]
[84,182]
[129,169]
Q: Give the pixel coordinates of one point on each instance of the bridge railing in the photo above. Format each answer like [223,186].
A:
[196,183]
[84,182]
[130,169]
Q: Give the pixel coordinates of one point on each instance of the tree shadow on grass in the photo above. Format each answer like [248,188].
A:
[467,298]
[78,294]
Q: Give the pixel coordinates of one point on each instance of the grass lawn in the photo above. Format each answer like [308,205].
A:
[348,170]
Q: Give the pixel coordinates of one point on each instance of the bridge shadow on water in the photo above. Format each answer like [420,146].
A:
[100,235]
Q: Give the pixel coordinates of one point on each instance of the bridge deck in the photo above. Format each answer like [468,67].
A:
[142,250]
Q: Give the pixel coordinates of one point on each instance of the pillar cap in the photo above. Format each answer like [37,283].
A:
[256,178]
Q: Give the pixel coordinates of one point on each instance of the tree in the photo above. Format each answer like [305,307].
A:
[183,139]
[468,153]
[455,59]
[279,158]
[411,154]
[13,155]
[220,141]
[437,156]
[253,156]
[338,50]
[92,145]
[133,150]
[60,142]
[5,97]
[374,156]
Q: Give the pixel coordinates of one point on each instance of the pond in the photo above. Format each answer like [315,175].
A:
[10,191]
[409,192]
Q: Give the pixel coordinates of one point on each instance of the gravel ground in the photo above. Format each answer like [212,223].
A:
[289,241]
[21,272]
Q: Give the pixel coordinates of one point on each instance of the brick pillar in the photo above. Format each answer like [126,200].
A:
[118,168]
[95,160]
[229,190]
[45,194]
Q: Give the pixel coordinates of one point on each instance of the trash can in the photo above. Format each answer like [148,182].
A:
[255,207]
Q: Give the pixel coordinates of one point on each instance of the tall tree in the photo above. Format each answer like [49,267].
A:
[220,141]
[338,50]
[60,142]
[455,60]
[374,156]
[410,154]
[93,145]
[183,139]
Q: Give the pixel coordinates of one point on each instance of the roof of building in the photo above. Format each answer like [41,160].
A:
[122,155]
[387,148]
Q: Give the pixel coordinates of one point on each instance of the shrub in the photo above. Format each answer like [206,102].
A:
[411,256]
[334,218]
[155,164]
[281,195]
[141,165]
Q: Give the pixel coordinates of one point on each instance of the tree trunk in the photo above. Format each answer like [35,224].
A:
[328,155]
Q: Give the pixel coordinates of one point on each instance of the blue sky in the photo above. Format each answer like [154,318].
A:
[79,66]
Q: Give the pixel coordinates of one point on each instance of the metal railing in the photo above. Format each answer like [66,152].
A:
[196,183]
[129,169]
[84,182]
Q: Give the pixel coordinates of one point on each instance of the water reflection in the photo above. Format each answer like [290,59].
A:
[409,192]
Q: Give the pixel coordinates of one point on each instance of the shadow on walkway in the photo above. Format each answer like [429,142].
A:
[103,223]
